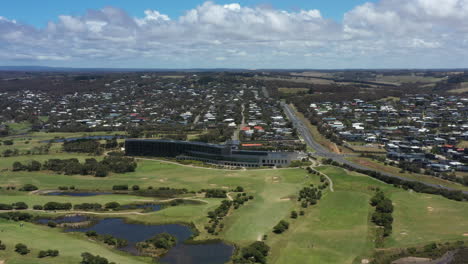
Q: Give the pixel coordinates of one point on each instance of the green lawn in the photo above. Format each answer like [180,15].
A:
[69,245]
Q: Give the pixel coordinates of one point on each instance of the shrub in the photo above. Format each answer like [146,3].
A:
[88,258]
[112,205]
[37,207]
[135,187]
[281,227]
[28,188]
[21,249]
[122,187]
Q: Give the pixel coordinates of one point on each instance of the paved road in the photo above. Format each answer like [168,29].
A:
[325,153]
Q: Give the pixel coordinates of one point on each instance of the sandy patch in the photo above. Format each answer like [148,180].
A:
[144,178]
[275,179]
[365,261]
[412,260]
[259,238]
[430,209]
[403,233]
[285,199]
[465,235]
[163,180]
[212,184]
[225,187]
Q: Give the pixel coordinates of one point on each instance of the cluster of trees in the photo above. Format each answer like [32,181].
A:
[48,253]
[107,239]
[309,196]
[22,249]
[162,192]
[240,199]
[406,184]
[383,212]
[281,227]
[51,206]
[31,166]
[14,206]
[28,188]
[214,193]
[116,164]
[254,253]
[88,258]
[2,246]
[83,146]
[154,246]
[217,216]
[17,216]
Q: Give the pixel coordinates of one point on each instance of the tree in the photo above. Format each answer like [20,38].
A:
[102,170]
[28,188]
[34,166]
[20,206]
[112,205]
[2,246]
[88,258]
[281,227]
[18,166]
[21,249]
[135,187]
[293,214]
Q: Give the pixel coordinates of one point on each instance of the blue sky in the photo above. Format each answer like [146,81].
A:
[39,12]
[314,34]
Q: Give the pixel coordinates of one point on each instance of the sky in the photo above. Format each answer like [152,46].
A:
[252,34]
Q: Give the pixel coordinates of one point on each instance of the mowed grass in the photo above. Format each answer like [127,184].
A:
[69,245]
[422,218]
[336,230]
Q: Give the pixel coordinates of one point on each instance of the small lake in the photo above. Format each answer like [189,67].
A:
[62,220]
[61,140]
[210,253]
[153,207]
[77,194]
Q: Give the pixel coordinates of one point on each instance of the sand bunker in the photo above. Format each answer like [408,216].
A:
[430,209]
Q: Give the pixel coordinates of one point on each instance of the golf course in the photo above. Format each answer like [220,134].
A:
[337,229]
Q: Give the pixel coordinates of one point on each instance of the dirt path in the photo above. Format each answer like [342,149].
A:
[229,197]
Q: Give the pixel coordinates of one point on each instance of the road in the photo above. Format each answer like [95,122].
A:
[323,152]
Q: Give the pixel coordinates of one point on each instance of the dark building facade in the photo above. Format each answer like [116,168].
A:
[226,155]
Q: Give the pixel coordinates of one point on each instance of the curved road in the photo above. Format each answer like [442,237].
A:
[325,153]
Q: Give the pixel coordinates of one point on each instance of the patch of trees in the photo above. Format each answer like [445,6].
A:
[162,192]
[122,187]
[254,253]
[217,216]
[309,195]
[48,253]
[157,244]
[88,206]
[28,188]
[88,258]
[240,199]
[383,214]
[83,146]
[281,227]
[116,164]
[51,206]
[107,239]
[406,184]
[22,249]
[2,246]
[17,216]
[31,166]
[214,193]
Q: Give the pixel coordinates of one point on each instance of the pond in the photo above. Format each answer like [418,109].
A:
[62,220]
[61,140]
[77,194]
[210,253]
[153,207]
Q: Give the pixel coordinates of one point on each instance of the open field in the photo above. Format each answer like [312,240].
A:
[310,80]
[463,89]
[399,79]
[292,90]
[396,171]
[463,144]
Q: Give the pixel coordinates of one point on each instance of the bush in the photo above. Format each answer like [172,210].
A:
[37,207]
[2,246]
[88,258]
[135,187]
[51,224]
[50,206]
[20,206]
[22,249]
[28,188]
[112,205]
[123,187]
[6,207]
[294,214]
[281,227]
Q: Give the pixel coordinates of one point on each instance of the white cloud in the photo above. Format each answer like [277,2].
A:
[387,33]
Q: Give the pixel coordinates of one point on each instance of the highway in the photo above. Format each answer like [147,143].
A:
[323,152]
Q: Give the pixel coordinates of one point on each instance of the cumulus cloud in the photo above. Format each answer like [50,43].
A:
[387,33]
